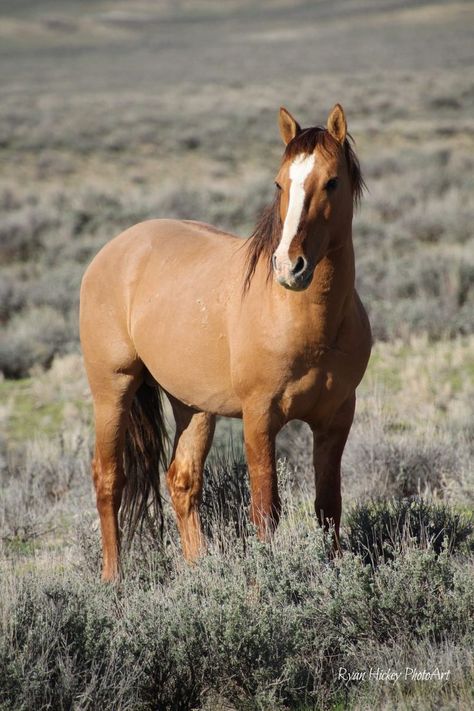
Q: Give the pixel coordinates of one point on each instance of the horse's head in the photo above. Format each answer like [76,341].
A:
[318,180]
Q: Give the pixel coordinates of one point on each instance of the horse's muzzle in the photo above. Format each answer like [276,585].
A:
[295,275]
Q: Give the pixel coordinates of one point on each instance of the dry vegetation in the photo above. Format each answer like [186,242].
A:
[113,113]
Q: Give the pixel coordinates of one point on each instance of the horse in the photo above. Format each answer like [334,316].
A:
[267,329]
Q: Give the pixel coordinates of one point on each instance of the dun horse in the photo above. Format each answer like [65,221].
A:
[267,330]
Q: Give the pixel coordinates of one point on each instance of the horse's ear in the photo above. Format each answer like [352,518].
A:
[289,127]
[337,125]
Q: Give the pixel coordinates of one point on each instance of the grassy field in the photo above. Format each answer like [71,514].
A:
[116,112]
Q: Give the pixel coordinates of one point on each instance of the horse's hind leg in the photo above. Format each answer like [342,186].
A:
[193,439]
[112,396]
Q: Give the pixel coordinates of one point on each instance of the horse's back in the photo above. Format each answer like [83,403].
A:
[141,239]
[162,244]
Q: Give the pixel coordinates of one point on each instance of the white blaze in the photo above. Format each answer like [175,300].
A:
[300,168]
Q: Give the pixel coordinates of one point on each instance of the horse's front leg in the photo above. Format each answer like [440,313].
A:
[260,431]
[329,442]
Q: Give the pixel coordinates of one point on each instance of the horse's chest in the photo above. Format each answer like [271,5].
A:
[316,389]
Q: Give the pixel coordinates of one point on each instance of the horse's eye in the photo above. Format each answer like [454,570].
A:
[277,185]
[331,184]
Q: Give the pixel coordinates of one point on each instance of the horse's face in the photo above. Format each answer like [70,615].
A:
[315,197]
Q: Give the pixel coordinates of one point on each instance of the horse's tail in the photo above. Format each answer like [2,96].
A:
[145,454]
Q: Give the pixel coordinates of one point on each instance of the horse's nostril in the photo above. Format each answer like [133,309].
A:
[300,266]
[274,261]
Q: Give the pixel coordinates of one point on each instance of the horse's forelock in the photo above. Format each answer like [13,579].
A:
[309,139]
[306,141]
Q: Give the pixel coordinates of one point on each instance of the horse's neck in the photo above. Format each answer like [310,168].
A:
[334,276]
[330,295]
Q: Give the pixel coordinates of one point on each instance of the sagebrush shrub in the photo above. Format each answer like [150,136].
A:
[254,625]
[378,529]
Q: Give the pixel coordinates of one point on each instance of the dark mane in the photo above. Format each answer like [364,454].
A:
[267,233]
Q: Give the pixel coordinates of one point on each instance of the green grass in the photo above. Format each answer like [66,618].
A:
[29,417]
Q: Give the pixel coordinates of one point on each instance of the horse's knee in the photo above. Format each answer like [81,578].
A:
[108,488]
[184,484]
